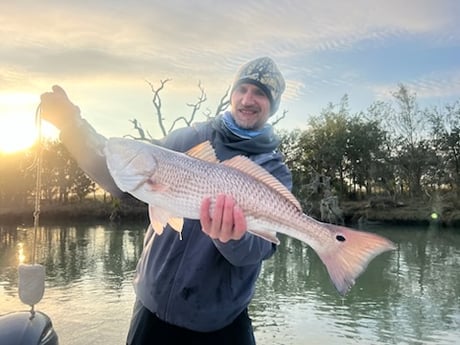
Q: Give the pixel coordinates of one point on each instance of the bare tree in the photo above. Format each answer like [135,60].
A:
[138,127]
[223,104]
[195,107]
[156,100]
[279,118]
[157,104]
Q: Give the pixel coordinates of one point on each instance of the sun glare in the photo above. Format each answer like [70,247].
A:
[17,122]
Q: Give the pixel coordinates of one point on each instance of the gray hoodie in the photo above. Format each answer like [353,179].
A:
[194,282]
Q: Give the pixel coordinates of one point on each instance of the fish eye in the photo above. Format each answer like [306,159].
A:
[340,238]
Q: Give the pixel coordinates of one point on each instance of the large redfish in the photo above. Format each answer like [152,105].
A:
[174,185]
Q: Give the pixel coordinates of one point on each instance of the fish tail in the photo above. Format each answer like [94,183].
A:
[350,255]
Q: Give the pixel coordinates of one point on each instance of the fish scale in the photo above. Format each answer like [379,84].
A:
[257,203]
[174,185]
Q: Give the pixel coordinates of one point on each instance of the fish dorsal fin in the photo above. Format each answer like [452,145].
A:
[203,151]
[247,166]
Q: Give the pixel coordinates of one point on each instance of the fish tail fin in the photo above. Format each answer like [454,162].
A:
[352,252]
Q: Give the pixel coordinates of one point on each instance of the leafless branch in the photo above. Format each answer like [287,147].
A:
[279,118]
[142,134]
[195,107]
[156,100]
[223,103]
[188,120]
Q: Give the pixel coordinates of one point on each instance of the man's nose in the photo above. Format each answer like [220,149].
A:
[248,99]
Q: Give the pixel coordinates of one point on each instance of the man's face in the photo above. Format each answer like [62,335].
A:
[250,106]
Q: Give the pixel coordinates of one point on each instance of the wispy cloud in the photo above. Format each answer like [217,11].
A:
[114,43]
[433,86]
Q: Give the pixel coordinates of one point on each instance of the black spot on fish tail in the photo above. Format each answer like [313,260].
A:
[340,238]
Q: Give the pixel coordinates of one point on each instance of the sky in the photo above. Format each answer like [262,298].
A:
[104,54]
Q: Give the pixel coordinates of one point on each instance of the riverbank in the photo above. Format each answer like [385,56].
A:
[354,212]
[87,210]
[446,213]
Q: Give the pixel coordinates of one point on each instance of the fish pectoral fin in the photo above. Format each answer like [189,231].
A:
[156,186]
[268,235]
[203,151]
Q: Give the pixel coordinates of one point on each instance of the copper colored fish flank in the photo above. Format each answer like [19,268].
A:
[174,185]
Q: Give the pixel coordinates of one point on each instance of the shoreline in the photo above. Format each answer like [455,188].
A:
[354,212]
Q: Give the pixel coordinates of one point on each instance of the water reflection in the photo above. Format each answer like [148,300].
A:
[72,253]
[89,270]
[409,296]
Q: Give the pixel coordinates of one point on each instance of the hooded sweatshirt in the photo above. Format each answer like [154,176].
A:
[195,282]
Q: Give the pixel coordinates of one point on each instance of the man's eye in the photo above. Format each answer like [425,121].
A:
[259,93]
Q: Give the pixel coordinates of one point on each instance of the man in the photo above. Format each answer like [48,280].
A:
[195,290]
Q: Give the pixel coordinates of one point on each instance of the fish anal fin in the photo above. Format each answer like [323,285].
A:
[268,235]
[203,151]
[247,166]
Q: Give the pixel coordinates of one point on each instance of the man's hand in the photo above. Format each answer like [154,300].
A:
[227,221]
[57,108]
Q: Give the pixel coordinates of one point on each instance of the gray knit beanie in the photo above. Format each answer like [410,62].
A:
[263,73]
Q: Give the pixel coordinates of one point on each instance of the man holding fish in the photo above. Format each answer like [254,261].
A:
[227,195]
[195,290]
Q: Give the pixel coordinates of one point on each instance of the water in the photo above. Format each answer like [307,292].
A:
[409,296]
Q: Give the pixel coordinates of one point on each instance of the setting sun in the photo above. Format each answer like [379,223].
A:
[18,130]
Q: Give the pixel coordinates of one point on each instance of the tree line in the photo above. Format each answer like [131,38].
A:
[62,181]
[393,150]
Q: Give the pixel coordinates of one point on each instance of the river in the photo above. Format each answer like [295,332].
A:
[407,296]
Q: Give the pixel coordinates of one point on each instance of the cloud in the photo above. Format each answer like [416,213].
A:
[197,33]
[115,43]
[437,85]
[430,87]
